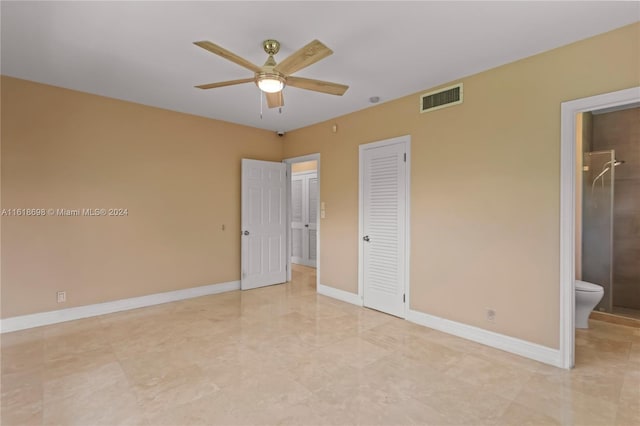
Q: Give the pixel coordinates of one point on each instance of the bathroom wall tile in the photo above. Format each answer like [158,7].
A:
[626,204]
[620,130]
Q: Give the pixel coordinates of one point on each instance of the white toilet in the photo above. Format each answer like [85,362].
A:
[588,295]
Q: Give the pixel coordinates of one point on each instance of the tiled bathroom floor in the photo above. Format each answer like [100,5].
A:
[285,355]
[627,312]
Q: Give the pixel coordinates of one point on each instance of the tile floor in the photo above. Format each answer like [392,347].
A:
[627,312]
[285,355]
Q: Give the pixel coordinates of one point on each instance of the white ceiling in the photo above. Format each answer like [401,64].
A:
[143,51]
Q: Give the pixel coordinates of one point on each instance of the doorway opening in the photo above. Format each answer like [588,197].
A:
[607,240]
[303,216]
[572,159]
[304,213]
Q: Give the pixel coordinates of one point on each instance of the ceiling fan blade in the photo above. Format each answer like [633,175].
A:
[225,83]
[221,51]
[275,100]
[309,54]
[317,85]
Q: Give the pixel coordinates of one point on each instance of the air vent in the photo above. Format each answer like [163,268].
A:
[442,98]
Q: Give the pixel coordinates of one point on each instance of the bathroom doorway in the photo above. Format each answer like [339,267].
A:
[571,201]
[610,208]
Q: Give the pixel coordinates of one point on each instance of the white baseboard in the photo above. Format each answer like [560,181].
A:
[496,340]
[335,293]
[52,317]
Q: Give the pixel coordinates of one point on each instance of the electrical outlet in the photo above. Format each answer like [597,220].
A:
[61,296]
[491,315]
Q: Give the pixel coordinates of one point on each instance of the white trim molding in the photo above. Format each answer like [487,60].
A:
[342,295]
[569,111]
[53,317]
[496,340]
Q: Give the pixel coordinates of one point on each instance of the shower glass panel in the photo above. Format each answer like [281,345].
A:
[597,222]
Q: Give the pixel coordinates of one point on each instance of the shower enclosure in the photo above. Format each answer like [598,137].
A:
[597,222]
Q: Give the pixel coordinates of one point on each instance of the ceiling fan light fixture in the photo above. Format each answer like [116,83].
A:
[270,82]
[270,85]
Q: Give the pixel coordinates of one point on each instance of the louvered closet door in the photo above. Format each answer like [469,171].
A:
[384,183]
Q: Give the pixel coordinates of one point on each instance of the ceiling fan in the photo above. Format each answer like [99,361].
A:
[272,77]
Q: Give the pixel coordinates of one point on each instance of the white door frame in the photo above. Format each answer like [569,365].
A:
[289,162]
[406,139]
[567,207]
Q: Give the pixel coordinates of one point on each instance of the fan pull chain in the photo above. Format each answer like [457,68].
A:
[280,110]
[260,104]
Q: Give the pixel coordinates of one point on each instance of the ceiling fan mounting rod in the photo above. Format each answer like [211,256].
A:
[271,46]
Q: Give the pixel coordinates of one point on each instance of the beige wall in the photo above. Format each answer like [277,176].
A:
[484,185]
[178,175]
[305,166]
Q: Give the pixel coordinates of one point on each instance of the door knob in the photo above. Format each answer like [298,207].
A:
[366,238]
[246,232]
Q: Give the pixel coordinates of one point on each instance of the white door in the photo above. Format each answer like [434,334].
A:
[304,217]
[384,224]
[263,224]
